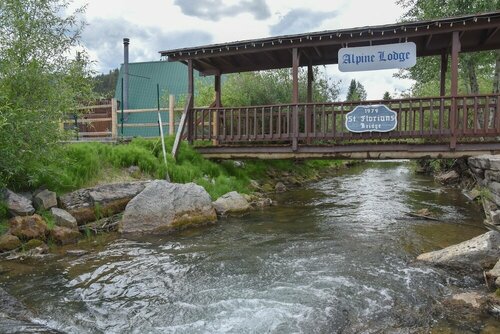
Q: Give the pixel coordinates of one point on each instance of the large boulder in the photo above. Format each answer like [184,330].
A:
[28,227]
[45,200]
[475,254]
[64,235]
[9,242]
[90,204]
[164,206]
[231,203]
[63,218]
[16,204]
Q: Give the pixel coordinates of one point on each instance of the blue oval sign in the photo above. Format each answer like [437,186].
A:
[373,118]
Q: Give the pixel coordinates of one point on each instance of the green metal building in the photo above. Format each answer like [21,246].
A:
[142,94]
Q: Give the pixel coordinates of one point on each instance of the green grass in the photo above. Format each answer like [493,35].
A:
[48,218]
[4,216]
[84,164]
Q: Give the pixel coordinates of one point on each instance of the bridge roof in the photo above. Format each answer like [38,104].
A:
[433,37]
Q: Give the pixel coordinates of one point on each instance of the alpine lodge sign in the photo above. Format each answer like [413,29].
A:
[378,57]
[373,118]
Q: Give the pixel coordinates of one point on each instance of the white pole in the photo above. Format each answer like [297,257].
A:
[162,138]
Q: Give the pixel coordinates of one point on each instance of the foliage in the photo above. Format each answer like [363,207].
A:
[4,214]
[105,84]
[356,91]
[41,81]
[268,87]
[86,163]
[476,70]
[387,96]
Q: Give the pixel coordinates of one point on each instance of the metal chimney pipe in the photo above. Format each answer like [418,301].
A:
[126,42]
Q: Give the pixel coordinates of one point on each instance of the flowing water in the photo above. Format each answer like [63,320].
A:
[335,256]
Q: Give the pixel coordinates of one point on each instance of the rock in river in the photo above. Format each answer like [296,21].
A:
[87,205]
[231,203]
[164,206]
[474,254]
[65,236]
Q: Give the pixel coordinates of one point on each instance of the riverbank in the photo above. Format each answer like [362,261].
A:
[110,176]
[337,254]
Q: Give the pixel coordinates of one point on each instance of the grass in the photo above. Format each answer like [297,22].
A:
[86,164]
[4,215]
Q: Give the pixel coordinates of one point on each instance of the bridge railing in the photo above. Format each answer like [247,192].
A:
[434,118]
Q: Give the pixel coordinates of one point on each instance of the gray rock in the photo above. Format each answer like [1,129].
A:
[254,185]
[473,299]
[474,254]
[45,200]
[231,203]
[76,252]
[164,206]
[492,176]
[478,172]
[495,271]
[449,177]
[63,218]
[87,205]
[16,204]
[495,217]
[280,187]
[473,194]
[487,161]
[482,162]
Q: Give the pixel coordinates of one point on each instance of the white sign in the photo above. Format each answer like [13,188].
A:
[378,57]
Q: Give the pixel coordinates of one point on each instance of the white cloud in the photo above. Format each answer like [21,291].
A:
[154,25]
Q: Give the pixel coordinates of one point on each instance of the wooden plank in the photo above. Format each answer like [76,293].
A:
[180,129]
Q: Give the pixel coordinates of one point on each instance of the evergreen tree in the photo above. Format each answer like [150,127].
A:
[356,91]
[387,96]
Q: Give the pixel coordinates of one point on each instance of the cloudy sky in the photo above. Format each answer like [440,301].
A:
[154,25]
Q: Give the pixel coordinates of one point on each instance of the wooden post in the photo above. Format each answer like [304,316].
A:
[444,66]
[295,97]
[171,115]
[309,115]
[114,125]
[218,104]
[190,118]
[455,49]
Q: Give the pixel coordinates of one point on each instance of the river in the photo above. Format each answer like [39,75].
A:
[334,256]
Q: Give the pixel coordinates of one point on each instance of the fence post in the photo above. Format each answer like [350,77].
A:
[171,115]
[114,125]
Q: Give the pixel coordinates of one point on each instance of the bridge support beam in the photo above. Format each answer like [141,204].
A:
[444,67]
[295,97]
[455,49]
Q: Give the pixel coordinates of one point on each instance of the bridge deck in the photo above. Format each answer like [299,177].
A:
[446,127]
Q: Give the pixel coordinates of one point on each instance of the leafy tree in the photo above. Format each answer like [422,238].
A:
[475,70]
[105,84]
[42,79]
[267,87]
[356,91]
[387,96]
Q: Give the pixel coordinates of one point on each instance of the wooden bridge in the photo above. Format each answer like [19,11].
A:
[446,126]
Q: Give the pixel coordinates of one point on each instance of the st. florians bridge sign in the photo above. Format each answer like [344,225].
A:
[372,118]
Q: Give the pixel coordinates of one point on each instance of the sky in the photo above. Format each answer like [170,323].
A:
[154,25]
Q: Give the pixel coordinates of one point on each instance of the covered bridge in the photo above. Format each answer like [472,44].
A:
[449,125]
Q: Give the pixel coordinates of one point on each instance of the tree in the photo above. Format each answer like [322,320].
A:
[387,96]
[267,87]
[356,91]
[475,69]
[105,84]
[42,79]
